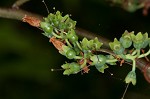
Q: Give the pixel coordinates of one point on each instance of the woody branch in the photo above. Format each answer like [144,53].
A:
[18,14]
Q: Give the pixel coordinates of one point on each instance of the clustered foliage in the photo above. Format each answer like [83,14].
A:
[86,53]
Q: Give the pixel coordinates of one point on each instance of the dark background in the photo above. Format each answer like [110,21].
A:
[26,56]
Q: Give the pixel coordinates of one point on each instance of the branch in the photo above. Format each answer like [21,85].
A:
[18,3]
[18,14]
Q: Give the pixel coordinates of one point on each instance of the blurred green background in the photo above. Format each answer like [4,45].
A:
[26,56]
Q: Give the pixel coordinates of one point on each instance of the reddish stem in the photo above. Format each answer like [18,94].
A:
[144,66]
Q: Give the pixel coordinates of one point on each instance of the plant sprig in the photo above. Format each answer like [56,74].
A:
[61,31]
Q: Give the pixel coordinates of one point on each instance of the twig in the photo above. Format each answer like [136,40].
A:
[18,14]
[18,3]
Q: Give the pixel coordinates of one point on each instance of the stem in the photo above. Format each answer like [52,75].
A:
[78,45]
[138,52]
[133,58]
[144,55]
[134,52]
[84,63]
[78,57]
[133,65]
[107,51]
[18,3]
[56,35]
[18,14]
[111,60]
[123,56]
[68,43]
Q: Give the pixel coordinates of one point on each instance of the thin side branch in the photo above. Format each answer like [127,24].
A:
[18,14]
[18,3]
